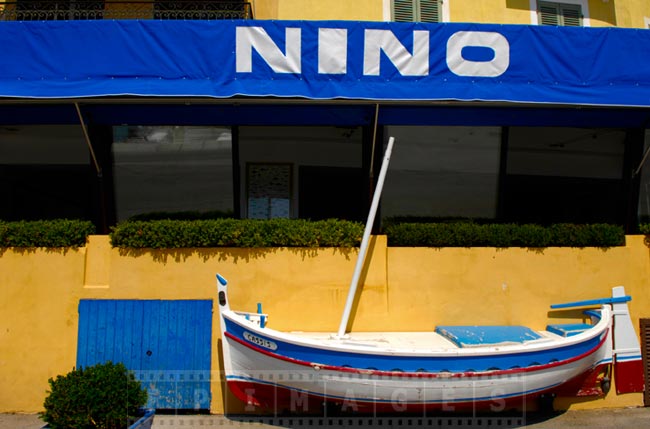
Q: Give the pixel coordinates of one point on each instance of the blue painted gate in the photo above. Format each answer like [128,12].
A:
[166,343]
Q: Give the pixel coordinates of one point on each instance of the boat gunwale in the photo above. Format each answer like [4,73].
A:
[455,351]
[409,374]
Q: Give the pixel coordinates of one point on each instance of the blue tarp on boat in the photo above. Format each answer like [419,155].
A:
[472,336]
[326,60]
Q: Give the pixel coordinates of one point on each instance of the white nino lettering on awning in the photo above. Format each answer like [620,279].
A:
[333,52]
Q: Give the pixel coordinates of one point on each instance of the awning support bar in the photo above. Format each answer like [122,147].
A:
[87,137]
[645,156]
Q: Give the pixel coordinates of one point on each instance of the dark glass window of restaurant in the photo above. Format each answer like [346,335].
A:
[45,173]
[172,169]
[443,172]
[302,172]
[564,175]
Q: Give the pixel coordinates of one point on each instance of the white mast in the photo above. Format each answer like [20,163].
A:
[365,240]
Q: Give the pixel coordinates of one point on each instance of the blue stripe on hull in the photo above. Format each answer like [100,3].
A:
[415,363]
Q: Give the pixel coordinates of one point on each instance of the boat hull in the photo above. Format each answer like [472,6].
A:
[455,368]
[264,379]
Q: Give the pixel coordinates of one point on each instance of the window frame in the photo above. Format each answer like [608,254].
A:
[583,4]
[443,11]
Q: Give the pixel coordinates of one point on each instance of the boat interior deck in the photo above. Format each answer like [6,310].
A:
[411,340]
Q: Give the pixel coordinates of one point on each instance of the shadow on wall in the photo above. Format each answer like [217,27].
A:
[229,254]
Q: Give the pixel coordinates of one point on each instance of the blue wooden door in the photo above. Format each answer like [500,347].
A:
[166,343]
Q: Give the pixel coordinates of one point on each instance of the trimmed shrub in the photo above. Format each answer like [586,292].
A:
[470,234]
[102,396]
[171,234]
[45,233]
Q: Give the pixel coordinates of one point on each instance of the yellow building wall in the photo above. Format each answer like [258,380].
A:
[494,11]
[302,289]
[265,9]
[39,293]
[631,13]
[357,10]
[618,13]
[600,14]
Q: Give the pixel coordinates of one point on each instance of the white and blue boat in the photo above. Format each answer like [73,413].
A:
[455,368]
[452,368]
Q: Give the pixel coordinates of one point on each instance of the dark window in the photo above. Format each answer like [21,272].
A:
[38,192]
[172,169]
[302,172]
[332,192]
[545,200]
[442,172]
[564,175]
[45,173]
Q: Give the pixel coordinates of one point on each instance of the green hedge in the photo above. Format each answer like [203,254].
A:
[469,234]
[169,234]
[45,233]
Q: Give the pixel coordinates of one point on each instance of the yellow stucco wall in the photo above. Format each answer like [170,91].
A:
[600,14]
[265,9]
[361,10]
[39,292]
[498,12]
[301,289]
[631,13]
[621,13]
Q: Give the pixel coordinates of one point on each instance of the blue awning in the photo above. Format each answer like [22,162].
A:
[326,60]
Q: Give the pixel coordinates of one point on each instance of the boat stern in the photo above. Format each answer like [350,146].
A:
[628,363]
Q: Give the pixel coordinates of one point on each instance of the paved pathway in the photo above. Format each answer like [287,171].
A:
[627,418]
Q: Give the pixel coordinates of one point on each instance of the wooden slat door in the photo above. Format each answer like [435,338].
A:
[167,343]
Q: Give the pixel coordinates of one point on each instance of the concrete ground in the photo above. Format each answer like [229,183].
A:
[631,418]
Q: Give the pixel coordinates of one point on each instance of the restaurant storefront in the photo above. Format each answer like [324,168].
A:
[262,119]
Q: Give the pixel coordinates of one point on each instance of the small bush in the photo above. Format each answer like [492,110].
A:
[45,233]
[470,234]
[171,234]
[103,396]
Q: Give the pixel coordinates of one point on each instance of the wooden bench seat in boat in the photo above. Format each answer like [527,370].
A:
[568,329]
